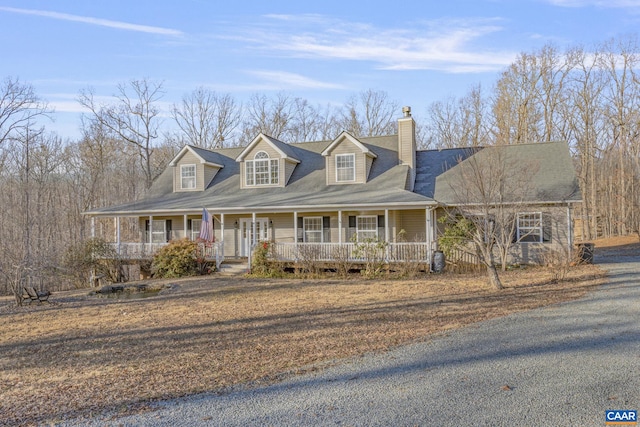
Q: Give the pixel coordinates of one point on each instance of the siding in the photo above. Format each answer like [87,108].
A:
[413,222]
[347,147]
[289,166]
[532,253]
[204,173]
[273,154]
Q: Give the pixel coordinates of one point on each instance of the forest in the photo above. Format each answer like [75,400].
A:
[587,97]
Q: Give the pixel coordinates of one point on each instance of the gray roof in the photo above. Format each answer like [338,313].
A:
[541,172]
[307,190]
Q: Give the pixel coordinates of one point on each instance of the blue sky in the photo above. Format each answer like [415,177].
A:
[418,52]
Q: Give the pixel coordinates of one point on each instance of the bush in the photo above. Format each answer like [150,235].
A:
[261,261]
[178,259]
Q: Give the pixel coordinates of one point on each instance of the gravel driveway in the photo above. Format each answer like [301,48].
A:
[560,365]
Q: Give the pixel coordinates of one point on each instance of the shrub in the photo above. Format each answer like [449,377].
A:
[372,252]
[177,259]
[261,261]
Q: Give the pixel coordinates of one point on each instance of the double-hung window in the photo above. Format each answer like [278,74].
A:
[345,167]
[529,227]
[312,226]
[262,170]
[158,231]
[366,228]
[195,228]
[187,177]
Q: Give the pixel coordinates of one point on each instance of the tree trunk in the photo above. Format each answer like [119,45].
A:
[492,275]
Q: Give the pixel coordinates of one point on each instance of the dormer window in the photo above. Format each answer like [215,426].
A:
[345,167]
[262,170]
[187,177]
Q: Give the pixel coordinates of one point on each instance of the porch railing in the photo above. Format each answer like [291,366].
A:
[324,252]
[141,251]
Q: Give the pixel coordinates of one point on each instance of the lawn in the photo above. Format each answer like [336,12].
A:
[81,355]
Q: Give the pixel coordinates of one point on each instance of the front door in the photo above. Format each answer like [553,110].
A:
[246,233]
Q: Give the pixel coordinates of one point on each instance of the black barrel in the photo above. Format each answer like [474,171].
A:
[438,262]
[585,252]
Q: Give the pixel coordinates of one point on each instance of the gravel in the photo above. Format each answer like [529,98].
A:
[560,365]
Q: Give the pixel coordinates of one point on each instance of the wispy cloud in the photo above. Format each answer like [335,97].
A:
[292,80]
[446,45]
[95,21]
[598,3]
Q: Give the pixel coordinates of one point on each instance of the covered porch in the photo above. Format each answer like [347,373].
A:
[389,235]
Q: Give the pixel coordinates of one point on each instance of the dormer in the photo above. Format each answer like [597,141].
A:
[347,160]
[266,162]
[193,169]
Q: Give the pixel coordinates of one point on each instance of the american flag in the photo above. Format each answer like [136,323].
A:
[206,229]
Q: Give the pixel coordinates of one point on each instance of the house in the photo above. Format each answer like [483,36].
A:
[329,195]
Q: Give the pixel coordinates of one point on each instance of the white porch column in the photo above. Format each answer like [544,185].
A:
[222,228]
[386,233]
[386,226]
[150,229]
[429,230]
[295,230]
[339,226]
[184,226]
[93,227]
[253,229]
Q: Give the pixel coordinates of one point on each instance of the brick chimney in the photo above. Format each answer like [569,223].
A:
[407,145]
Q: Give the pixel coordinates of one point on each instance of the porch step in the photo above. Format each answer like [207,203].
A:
[235,269]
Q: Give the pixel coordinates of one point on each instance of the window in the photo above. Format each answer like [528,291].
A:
[345,167]
[262,170]
[188,177]
[195,228]
[366,227]
[312,227]
[159,231]
[530,227]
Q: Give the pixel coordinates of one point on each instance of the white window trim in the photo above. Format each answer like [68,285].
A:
[304,228]
[353,158]
[525,231]
[159,228]
[272,175]
[358,230]
[195,232]
[182,177]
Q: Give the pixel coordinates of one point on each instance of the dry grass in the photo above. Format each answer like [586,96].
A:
[81,355]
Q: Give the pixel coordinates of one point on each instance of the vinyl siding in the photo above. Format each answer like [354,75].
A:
[361,170]
[204,173]
[413,223]
[273,154]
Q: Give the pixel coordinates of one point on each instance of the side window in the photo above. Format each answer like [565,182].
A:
[533,227]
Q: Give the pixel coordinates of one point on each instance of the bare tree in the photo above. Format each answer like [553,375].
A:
[487,191]
[134,117]
[207,119]
[370,113]
[272,117]
[19,107]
